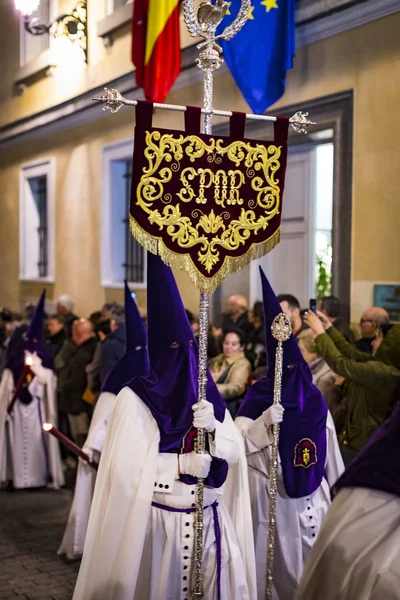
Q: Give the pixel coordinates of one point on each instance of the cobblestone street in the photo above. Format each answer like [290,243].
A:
[31,528]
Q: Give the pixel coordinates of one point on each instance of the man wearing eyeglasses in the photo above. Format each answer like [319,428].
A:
[371,321]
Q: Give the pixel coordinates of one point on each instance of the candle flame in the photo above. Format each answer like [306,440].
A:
[29,361]
[47,426]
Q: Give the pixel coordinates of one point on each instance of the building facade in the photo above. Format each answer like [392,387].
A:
[65,164]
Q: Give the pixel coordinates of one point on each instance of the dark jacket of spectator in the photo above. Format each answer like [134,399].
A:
[70,365]
[68,322]
[54,343]
[365,345]
[241,323]
[112,350]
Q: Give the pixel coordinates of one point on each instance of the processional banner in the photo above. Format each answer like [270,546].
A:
[206,204]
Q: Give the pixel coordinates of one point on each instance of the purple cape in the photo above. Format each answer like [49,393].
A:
[377,466]
[302,441]
[171,388]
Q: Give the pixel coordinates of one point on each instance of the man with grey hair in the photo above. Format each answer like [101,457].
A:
[113,347]
[65,308]
[370,323]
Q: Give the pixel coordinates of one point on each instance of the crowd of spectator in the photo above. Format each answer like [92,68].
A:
[357,375]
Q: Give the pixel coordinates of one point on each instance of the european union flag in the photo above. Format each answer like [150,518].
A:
[261,53]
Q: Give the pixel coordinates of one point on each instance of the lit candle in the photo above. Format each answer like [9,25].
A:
[26,371]
[63,439]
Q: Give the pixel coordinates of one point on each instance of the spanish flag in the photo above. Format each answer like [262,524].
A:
[156,51]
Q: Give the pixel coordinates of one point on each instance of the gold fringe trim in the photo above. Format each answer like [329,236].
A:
[206,285]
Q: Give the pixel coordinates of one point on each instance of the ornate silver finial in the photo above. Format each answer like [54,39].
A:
[281,328]
[112,100]
[300,122]
[210,15]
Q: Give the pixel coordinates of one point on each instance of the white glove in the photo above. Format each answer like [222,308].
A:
[33,359]
[203,417]
[273,414]
[89,454]
[35,363]
[194,464]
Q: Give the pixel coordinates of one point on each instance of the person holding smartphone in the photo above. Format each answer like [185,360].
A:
[372,381]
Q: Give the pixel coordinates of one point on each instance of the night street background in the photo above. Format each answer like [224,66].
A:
[31,528]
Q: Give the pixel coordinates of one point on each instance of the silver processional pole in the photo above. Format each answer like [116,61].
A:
[204,24]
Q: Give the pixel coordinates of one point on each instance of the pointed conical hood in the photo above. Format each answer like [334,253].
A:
[30,339]
[291,354]
[171,389]
[35,331]
[166,316]
[135,330]
[135,362]
[302,442]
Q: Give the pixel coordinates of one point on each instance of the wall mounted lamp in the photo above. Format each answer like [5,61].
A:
[72,26]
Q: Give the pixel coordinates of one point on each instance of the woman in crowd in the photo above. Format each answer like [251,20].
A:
[231,370]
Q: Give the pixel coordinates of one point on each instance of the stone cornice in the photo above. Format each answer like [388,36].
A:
[82,109]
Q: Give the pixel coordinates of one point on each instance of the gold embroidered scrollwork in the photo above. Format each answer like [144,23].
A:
[256,164]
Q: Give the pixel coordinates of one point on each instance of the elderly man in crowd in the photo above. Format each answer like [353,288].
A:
[371,321]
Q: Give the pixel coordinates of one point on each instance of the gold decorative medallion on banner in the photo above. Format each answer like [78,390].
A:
[208,205]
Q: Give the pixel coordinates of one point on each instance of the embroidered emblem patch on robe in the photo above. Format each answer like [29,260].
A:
[305,453]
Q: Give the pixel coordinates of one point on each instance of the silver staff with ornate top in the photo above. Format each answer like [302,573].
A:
[205,25]
[281,331]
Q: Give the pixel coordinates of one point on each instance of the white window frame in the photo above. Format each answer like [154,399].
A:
[121,150]
[45,166]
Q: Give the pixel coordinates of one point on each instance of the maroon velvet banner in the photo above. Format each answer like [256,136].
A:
[206,204]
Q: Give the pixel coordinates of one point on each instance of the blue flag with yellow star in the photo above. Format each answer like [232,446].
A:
[262,52]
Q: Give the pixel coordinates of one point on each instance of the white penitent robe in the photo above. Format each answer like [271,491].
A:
[298,520]
[29,457]
[356,556]
[136,551]
[75,532]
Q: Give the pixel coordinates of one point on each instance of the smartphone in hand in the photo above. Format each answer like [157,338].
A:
[313,305]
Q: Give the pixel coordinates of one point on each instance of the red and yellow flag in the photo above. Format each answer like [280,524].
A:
[156,51]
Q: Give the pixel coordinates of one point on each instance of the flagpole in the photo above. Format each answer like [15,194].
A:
[113,101]
[204,25]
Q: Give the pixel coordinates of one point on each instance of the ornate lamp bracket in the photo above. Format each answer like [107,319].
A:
[72,26]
